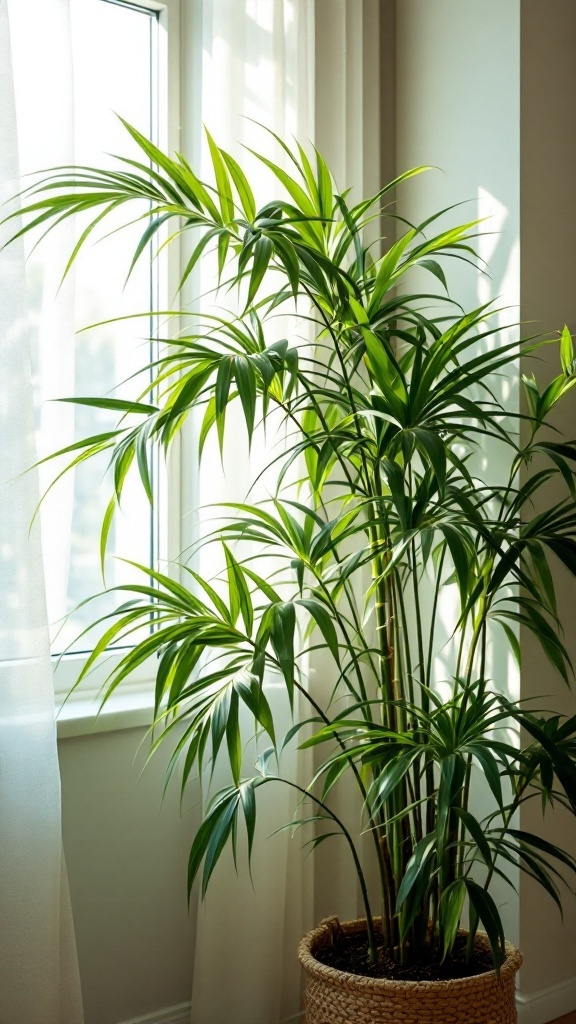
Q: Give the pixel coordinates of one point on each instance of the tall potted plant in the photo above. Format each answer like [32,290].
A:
[385,409]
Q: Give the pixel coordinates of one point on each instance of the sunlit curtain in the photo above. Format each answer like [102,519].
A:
[261,62]
[348,115]
[257,66]
[39,981]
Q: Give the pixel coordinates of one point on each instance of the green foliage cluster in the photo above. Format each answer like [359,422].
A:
[385,412]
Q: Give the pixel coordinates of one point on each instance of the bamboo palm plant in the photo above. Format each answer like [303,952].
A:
[385,410]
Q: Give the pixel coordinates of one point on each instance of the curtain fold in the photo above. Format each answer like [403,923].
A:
[257,66]
[296,67]
[348,132]
[39,981]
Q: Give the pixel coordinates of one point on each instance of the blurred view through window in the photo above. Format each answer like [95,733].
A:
[114,55]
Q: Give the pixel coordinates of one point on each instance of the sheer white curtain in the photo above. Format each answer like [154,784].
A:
[257,63]
[39,981]
[266,60]
[349,107]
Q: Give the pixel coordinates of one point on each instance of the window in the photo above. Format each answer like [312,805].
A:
[119,66]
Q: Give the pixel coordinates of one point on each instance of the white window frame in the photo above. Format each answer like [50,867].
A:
[132,705]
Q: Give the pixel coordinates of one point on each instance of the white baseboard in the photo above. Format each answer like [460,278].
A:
[545,1004]
[171,1015]
[181,1015]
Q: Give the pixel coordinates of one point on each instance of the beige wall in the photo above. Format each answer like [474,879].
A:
[548,296]
[126,857]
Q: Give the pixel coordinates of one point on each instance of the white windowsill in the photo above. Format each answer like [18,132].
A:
[78,710]
[130,707]
[128,710]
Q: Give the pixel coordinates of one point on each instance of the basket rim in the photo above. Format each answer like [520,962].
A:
[346,979]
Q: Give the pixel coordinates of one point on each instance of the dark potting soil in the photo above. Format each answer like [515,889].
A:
[350,953]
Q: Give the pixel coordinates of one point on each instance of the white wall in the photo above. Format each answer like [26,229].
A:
[486,91]
[457,108]
[126,857]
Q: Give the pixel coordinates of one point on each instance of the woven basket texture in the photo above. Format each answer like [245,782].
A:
[336,997]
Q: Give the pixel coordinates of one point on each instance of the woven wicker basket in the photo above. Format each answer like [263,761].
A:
[336,997]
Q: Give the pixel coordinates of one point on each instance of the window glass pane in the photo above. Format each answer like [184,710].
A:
[113,49]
